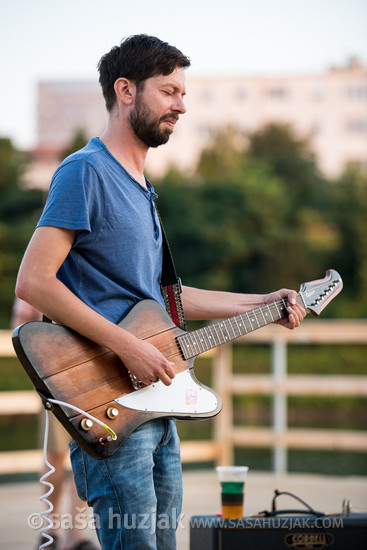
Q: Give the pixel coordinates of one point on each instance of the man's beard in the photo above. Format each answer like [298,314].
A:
[145,128]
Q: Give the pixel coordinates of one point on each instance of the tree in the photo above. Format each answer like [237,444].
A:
[19,211]
[253,216]
[78,141]
[348,212]
[291,159]
[231,233]
[223,155]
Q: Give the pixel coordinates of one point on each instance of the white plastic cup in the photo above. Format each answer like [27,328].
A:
[232,480]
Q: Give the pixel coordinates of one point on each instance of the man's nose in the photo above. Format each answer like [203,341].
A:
[179,105]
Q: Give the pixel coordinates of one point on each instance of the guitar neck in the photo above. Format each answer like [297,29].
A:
[203,339]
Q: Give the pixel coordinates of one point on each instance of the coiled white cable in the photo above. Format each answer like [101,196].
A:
[44,498]
[45,519]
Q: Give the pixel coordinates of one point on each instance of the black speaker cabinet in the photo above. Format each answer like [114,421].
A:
[301,532]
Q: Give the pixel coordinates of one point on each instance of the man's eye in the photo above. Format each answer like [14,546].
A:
[168,93]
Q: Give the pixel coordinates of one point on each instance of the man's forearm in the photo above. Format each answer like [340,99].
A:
[201,304]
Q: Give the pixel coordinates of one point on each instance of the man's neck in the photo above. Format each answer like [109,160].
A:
[127,149]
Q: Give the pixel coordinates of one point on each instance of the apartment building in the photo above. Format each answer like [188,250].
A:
[329,108]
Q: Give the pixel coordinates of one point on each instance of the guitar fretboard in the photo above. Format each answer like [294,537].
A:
[203,339]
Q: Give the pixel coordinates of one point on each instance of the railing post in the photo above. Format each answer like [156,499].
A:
[280,418]
[223,422]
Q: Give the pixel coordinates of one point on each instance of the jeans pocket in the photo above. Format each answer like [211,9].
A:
[78,466]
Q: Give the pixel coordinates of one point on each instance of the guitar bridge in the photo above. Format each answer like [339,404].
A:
[137,384]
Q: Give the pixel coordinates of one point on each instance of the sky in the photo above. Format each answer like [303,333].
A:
[63,40]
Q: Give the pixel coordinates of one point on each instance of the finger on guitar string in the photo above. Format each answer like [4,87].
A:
[164,373]
[145,361]
[168,373]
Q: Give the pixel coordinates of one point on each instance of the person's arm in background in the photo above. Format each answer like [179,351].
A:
[22,312]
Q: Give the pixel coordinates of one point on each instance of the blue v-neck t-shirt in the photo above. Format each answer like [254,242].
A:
[116,259]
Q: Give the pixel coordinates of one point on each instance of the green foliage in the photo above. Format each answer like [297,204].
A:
[348,212]
[258,216]
[287,154]
[19,210]
[223,155]
[12,164]
[12,375]
[78,141]
[291,159]
[233,234]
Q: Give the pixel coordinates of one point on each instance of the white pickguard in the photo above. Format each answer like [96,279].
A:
[183,396]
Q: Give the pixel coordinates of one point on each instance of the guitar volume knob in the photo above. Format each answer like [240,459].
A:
[112,412]
[86,424]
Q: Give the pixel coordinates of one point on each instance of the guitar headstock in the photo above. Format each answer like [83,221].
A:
[317,294]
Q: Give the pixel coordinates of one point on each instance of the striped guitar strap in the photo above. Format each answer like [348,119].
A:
[171,284]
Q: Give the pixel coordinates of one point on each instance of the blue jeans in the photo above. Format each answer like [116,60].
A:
[136,494]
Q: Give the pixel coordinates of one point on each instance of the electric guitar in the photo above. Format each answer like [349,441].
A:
[90,390]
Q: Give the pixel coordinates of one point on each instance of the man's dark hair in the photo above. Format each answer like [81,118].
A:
[137,58]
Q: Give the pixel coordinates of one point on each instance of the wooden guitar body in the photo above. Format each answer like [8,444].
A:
[63,364]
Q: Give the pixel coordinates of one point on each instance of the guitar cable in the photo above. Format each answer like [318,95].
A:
[74,408]
[46,522]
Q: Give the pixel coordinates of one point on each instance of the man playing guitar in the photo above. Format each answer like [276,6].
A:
[96,252]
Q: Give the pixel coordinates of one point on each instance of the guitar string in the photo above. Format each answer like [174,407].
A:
[165,347]
[171,350]
[171,345]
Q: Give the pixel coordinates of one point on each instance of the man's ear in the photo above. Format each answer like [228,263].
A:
[125,90]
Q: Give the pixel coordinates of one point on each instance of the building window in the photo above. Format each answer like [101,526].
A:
[316,129]
[357,91]
[207,95]
[317,93]
[278,92]
[241,94]
[357,126]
